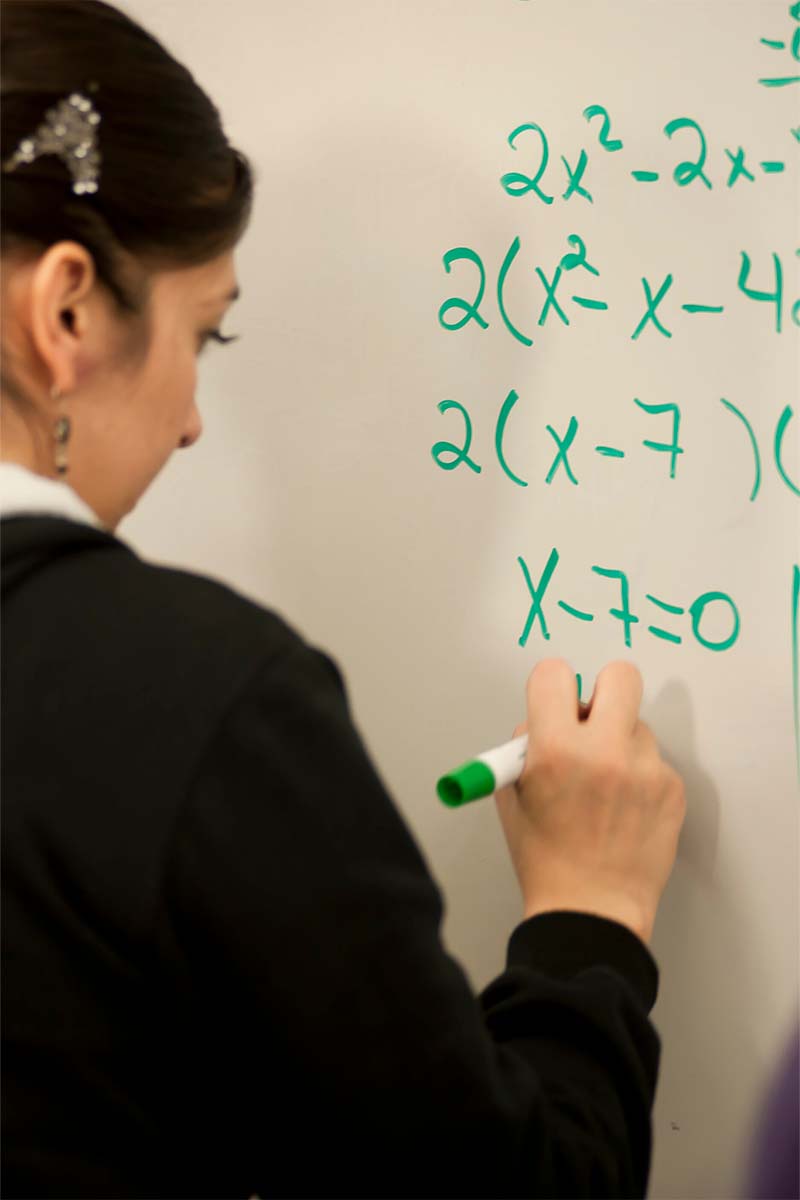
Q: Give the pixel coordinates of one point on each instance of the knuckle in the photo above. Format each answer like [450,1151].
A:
[611,772]
[677,790]
[645,734]
[650,778]
[552,760]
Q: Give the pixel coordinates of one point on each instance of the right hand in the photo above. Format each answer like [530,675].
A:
[593,822]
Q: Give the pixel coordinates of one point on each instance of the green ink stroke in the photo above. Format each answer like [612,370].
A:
[610,452]
[698,608]
[537,594]
[574,178]
[586,303]
[780,430]
[570,261]
[597,110]
[575,612]
[775,297]
[685,172]
[665,637]
[505,411]
[470,310]
[662,633]
[672,448]
[623,614]
[652,305]
[460,453]
[670,608]
[501,281]
[732,408]
[738,167]
[773,167]
[517,185]
[645,176]
[563,447]
[703,308]
[550,289]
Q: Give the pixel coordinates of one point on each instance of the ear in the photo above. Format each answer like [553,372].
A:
[59,315]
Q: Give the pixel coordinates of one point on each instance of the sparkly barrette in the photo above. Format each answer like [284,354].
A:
[70,131]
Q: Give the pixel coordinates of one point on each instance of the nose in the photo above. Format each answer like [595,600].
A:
[193,432]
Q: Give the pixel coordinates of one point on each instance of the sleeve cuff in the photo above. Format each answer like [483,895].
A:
[562,944]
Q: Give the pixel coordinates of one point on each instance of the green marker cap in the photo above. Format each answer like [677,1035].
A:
[468,782]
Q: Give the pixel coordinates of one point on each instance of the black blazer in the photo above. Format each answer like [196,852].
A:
[223,972]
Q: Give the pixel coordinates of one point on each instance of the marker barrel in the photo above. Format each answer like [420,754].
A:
[485,774]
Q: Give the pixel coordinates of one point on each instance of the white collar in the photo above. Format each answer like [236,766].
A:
[22,491]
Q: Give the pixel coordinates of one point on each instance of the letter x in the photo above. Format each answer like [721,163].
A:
[563,446]
[652,305]
[738,167]
[538,594]
[550,288]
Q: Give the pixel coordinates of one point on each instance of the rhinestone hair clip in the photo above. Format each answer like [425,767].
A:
[70,131]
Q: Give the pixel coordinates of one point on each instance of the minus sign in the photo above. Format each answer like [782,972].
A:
[585,302]
[645,176]
[773,168]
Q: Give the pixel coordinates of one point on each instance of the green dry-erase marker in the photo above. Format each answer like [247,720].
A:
[483,775]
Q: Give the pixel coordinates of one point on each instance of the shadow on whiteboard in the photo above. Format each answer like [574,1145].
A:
[670,714]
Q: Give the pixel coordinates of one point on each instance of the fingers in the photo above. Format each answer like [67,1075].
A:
[552,700]
[554,708]
[616,700]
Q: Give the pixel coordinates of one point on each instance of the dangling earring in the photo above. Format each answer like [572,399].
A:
[62,432]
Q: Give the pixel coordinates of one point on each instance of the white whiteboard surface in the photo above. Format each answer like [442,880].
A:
[380,131]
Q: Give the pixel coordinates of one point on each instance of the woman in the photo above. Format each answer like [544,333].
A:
[223,968]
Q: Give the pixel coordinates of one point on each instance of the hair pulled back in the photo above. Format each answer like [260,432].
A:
[172,191]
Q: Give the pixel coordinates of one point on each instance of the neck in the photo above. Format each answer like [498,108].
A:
[25,444]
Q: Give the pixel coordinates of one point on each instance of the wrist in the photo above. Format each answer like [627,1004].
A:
[628,913]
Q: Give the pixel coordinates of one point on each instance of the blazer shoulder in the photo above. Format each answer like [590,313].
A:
[135,613]
[202,608]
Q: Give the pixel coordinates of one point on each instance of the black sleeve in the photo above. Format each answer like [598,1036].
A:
[345,1052]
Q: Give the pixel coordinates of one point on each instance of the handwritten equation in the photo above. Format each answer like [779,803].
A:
[657,311]
[625,615]
[738,167]
[450,455]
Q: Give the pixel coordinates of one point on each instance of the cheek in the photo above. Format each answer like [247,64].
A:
[181,382]
[169,392]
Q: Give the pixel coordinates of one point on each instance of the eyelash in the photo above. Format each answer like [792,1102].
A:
[217,337]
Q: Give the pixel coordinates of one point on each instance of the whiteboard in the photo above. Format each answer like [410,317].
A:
[633,473]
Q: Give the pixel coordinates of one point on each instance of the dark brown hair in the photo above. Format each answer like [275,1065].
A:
[172,191]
